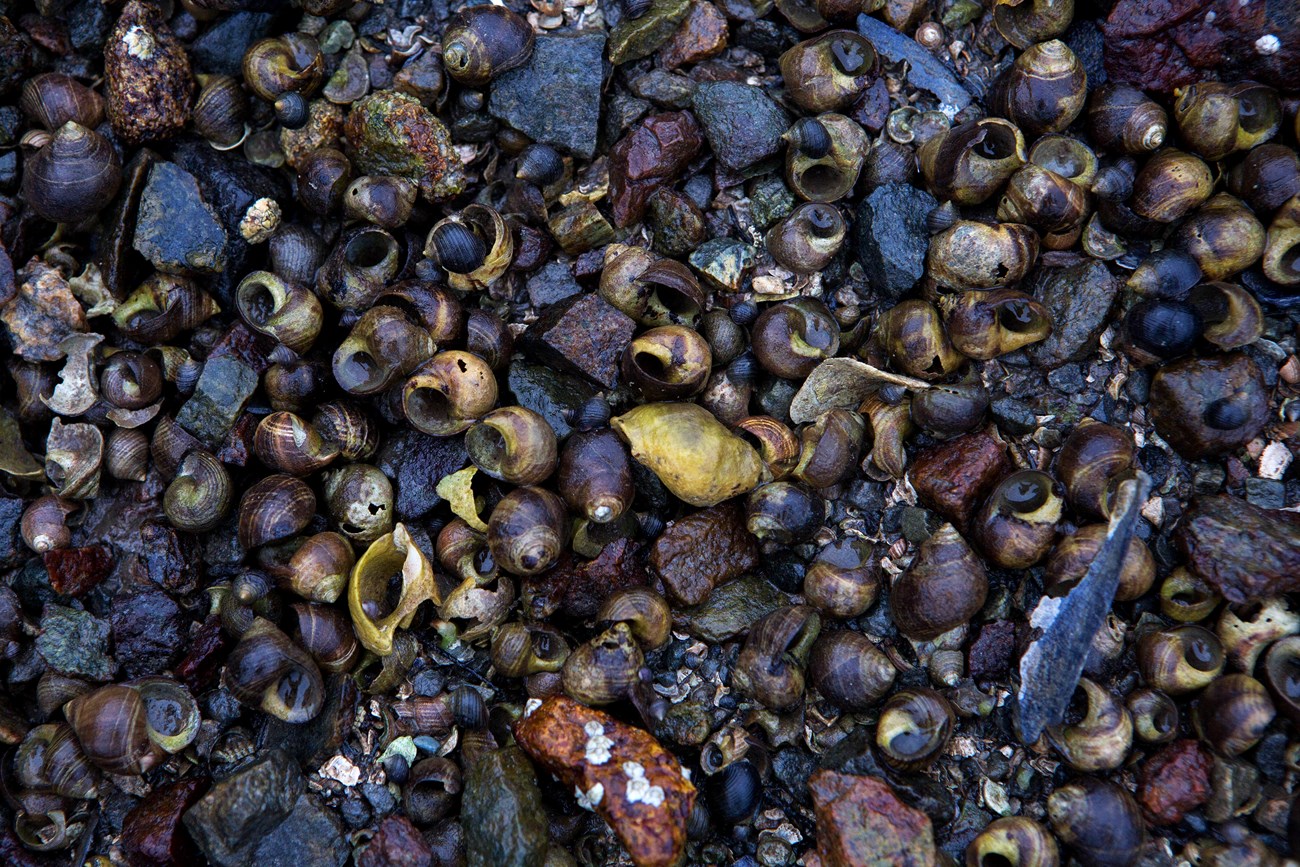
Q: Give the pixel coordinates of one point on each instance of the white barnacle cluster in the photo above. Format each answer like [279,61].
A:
[531,705]
[598,745]
[639,789]
[589,799]
[139,42]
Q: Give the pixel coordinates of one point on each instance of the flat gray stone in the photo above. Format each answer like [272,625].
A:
[223,390]
[177,231]
[892,238]
[743,125]
[555,97]
[1079,299]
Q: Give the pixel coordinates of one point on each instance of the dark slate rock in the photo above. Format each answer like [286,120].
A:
[310,834]
[555,98]
[548,392]
[1078,299]
[88,22]
[177,231]
[554,282]
[925,70]
[239,813]
[223,390]
[664,88]
[585,335]
[148,631]
[742,124]
[221,47]
[1089,44]
[12,549]
[416,462]
[1014,416]
[892,237]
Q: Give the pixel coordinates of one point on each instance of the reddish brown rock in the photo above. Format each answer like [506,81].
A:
[397,843]
[992,651]
[952,477]
[621,772]
[1184,392]
[1245,552]
[42,313]
[702,35]
[577,587]
[152,834]
[148,84]
[653,153]
[74,571]
[696,553]
[582,334]
[862,823]
[1174,782]
[207,651]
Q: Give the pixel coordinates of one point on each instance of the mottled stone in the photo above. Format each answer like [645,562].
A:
[702,35]
[390,133]
[653,153]
[148,87]
[397,843]
[861,822]
[1078,299]
[952,477]
[149,632]
[501,812]
[696,553]
[1174,782]
[555,97]
[723,263]
[416,462]
[223,390]
[743,125]
[239,813]
[732,608]
[635,38]
[578,587]
[74,571]
[552,283]
[42,313]
[74,642]
[177,231]
[583,335]
[310,834]
[892,237]
[152,835]
[1246,553]
[992,650]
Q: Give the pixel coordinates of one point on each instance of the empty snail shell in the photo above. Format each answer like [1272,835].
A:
[447,394]
[605,669]
[50,759]
[670,362]
[1017,525]
[808,238]
[360,501]
[915,725]
[318,570]
[386,344]
[771,663]
[393,562]
[513,444]
[984,325]
[44,524]
[829,71]
[1101,740]
[475,247]
[970,162]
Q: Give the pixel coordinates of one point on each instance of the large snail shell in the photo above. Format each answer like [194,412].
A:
[72,177]
[527,530]
[268,671]
[50,759]
[53,98]
[275,508]
[481,42]
[391,554]
[111,726]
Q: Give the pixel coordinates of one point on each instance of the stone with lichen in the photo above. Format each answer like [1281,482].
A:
[390,133]
[42,313]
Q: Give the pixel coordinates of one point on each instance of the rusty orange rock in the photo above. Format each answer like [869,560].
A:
[862,823]
[619,771]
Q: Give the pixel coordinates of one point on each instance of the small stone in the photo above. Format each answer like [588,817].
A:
[1079,299]
[1246,553]
[635,38]
[583,335]
[42,314]
[743,125]
[1183,391]
[412,460]
[310,834]
[397,843]
[770,200]
[552,283]
[390,133]
[652,154]
[177,231]
[74,642]
[702,35]
[917,525]
[723,263]
[952,477]
[220,48]
[992,651]
[149,631]
[501,812]
[580,227]
[74,571]
[238,813]
[152,835]
[696,553]
[1265,493]
[550,393]
[892,237]
[678,223]
[1174,782]
[223,390]
[555,98]
[148,86]
[620,772]
[860,821]
[18,57]
[1067,379]
[1013,416]
[664,88]
[732,608]
[206,651]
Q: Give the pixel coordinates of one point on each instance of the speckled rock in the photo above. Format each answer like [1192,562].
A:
[177,231]
[862,823]
[74,642]
[553,282]
[635,38]
[952,477]
[390,133]
[223,390]
[413,460]
[723,263]
[701,550]
[310,834]
[1079,299]
[743,125]
[238,813]
[732,608]
[555,97]
[1247,553]
[892,237]
[148,85]
[1174,782]
[149,633]
[501,812]
[583,335]
[42,313]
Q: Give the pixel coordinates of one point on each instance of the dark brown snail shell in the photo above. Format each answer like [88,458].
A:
[1100,741]
[481,42]
[1232,714]
[1180,660]
[1024,22]
[1072,557]
[323,178]
[1280,672]
[986,324]
[448,393]
[73,177]
[51,99]
[221,111]
[844,578]
[361,264]
[827,72]
[595,475]
[269,672]
[50,759]
[1266,177]
[280,64]
[1155,716]
[670,362]
[771,662]
[1217,118]
[201,494]
[385,200]
[605,669]
[325,633]
[520,650]
[1222,235]
[1092,462]
[513,444]
[1043,91]
[790,338]
[973,255]
[359,498]
[1123,118]
[288,444]
[385,344]
[644,610]
[1017,525]
[785,512]
[289,313]
[1098,821]
[1170,185]
[163,307]
[849,670]
[808,238]
[830,448]
[111,726]
[970,162]
[1013,840]
[349,428]
[912,334]
[942,589]
[527,531]
[277,507]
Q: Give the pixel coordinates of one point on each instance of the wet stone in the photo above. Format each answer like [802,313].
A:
[742,124]
[501,812]
[311,834]
[892,238]
[702,35]
[664,88]
[148,631]
[74,571]
[552,283]
[1245,552]
[635,38]
[1265,493]
[223,390]
[952,477]
[12,548]
[548,392]
[239,813]
[578,587]
[42,313]
[992,651]
[74,642]
[177,231]
[723,263]
[1174,782]
[702,550]
[769,201]
[583,335]
[152,833]
[1079,299]
[732,608]
[653,153]
[555,97]
[1013,416]
[397,843]
[220,47]
[414,461]
[860,820]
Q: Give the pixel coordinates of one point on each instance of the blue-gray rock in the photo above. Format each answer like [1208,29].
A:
[238,814]
[416,462]
[553,282]
[1078,299]
[743,125]
[220,48]
[222,391]
[1013,416]
[548,392]
[555,97]
[74,642]
[148,631]
[12,549]
[924,69]
[310,835]
[723,263]
[892,237]
[177,231]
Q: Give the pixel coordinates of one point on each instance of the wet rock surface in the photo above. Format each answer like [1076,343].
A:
[1245,552]
[892,237]
[1078,317]
[177,230]
[555,97]
[953,477]
[504,822]
[1174,781]
[743,125]
[862,821]
[696,553]
[583,335]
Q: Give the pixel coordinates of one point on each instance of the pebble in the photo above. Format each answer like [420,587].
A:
[149,632]
[860,820]
[74,642]
[723,263]
[1174,782]
[151,831]
[952,477]
[238,813]
[730,610]
[555,97]
[311,834]
[892,238]
[698,552]
[1265,493]
[1067,378]
[223,390]
[584,335]
[635,38]
[177,230]
[410,458]
[1079,299]
[743,125]
[1245,552]
[396,843]
[220,48]
[548,392]
[501,812]
[551,283]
